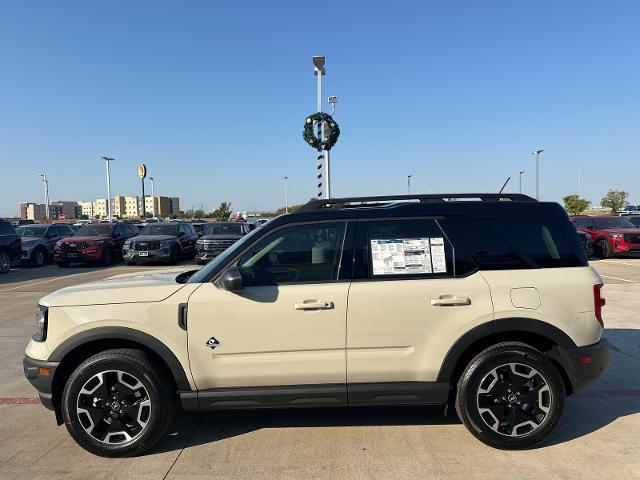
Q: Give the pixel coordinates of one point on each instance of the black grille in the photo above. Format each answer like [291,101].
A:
[217,244]
[73,245]
[632,238]
[146,246]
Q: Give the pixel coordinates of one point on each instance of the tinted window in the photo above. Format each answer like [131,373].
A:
[301,253]
[602,223]
[403,248]
[30,231]
[160,229]
[224,229]
[635,220]
[6,228]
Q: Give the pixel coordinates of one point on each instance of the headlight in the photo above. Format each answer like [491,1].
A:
[165,244]
[42,319]
[617,235]
[127,243]
[199,241]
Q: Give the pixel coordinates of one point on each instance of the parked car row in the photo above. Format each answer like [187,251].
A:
[611,236]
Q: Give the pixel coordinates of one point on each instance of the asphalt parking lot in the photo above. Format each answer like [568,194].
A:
[596,438]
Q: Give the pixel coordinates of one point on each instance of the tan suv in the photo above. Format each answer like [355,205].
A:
[486,303]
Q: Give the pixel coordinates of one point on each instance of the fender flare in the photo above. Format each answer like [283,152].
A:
[129,334]
[502,325]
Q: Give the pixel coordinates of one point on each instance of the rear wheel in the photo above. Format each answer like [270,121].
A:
[117,404]
[604,249]
[510,396]
[5,262]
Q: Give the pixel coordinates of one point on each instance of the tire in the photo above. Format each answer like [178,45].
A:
[510,396]
[38,257]
[107,257]
[604,249]
[5,262]
[139,411]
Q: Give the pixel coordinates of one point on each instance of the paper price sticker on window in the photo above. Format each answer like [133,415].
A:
[406,256]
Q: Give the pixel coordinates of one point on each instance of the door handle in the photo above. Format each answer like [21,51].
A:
[450,301]
[313,305]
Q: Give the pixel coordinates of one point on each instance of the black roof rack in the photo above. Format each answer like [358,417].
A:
[359,202]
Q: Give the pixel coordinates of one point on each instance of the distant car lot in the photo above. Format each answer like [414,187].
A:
[326,443]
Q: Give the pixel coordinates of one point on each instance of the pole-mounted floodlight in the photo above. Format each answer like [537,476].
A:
[537,155]
[46,194]
[409,184]
[521,172]
[108,160]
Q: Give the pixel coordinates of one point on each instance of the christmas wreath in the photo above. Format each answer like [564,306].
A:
[331,131]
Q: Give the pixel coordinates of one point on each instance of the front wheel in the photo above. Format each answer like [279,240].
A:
[604,249]
[117,404]
[5,262]
[510,396]
[38,258]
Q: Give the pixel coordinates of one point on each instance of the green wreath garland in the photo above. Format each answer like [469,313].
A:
[331,131]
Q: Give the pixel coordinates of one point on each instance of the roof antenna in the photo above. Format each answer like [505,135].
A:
[505,184]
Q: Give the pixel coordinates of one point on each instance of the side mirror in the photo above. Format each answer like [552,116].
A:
[231,279]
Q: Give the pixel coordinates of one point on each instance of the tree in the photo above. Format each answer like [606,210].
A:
[223,212]
[614,200]
[574,205]
[198,213]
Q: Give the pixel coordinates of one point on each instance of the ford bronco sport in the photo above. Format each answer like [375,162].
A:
[481,301]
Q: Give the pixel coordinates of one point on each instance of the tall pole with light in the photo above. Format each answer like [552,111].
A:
[580,181]
[46,194]
[286,195]
[142,173]
[521,172]
[107,161]
[319,71]
[409,184]
[537,153]
[153,197]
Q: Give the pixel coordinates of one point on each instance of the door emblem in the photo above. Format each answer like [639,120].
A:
[212,343]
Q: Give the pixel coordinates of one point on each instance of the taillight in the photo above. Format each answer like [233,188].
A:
[598,302]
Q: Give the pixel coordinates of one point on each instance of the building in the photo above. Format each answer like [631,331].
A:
[87,208]
[100,208]
[33,211]
[68,209]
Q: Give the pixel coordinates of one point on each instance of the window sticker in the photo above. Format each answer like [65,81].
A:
[406,256]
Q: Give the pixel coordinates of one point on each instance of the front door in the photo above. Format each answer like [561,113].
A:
[411,298]
[287,326]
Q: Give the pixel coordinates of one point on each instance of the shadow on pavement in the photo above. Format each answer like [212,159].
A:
[615,395]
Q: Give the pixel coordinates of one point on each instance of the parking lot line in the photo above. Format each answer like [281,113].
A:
[621,263]
[618,278]
[26,285]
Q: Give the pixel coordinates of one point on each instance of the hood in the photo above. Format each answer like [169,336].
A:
[153,238]
[221,236]
[140,287]
[623,231]
[86,238]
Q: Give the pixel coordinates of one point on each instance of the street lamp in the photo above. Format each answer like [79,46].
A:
[537,155]
[286,195]
[409,184]
[108,160]
[521,172]
[46,194]
[580,181]
[153,198]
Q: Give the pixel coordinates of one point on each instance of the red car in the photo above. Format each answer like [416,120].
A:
[96,242]
[611,235]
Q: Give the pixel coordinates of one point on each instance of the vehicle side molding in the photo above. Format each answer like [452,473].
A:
[128,334]
[502,325]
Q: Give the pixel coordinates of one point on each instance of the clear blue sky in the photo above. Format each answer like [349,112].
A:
[212,96]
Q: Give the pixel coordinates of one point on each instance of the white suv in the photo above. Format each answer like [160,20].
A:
[486,303]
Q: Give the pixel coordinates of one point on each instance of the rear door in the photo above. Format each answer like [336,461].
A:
[412,296]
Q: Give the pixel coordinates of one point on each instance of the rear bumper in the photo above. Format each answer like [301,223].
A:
[583,365]
[37,378]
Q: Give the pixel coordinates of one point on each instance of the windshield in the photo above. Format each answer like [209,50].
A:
[223,229]
[159,229]
[612,222]
[30,231]
[94,230]
[230,252]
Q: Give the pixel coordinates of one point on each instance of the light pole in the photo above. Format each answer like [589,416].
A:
[537,155]
[521,172]
[153,198]
[409,184]
[108,160]
[286,195]
[46,194]
[580,181]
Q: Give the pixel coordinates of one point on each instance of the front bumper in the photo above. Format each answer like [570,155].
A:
[206,255]
[583,365]
[86,255]
[160,255]
[40,374]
